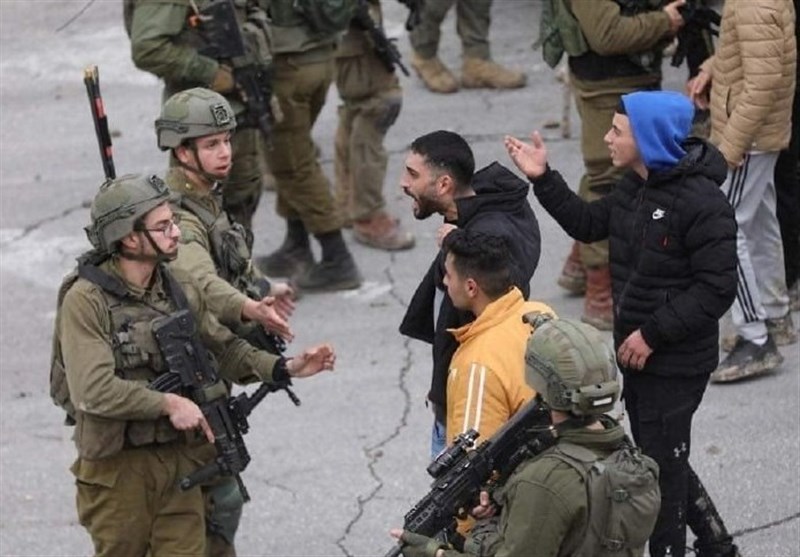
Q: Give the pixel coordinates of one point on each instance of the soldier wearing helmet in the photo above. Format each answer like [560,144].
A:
[196,126]
[544,503]
[133,442]
[177,41]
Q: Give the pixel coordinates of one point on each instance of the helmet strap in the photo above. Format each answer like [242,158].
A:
[159,257]
[199,170]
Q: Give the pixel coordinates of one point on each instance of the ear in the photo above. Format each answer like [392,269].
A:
[131,241]
[472,288]
[183,154]
[446,185]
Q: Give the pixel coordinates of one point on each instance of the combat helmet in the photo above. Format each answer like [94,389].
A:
[119,204]
[570,365]
[193,113]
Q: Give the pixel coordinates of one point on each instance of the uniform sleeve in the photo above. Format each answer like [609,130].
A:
[85,331]
[154,30]
[584,221]
[711,244]
[610,33]
[222,299]
[761,43]
[476,399]
[238,360]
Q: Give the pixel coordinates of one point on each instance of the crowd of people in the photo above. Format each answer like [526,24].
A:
[672,230]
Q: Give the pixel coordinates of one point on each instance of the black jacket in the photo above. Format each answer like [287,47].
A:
[499,207]
[672,252]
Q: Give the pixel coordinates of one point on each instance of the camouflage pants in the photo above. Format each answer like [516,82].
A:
[304,192]
[372,100]
[472,25]
[131,505]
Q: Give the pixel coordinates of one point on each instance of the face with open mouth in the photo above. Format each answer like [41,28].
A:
[420,184]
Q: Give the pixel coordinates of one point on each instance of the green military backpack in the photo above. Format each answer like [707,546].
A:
[559,32]
[624,499]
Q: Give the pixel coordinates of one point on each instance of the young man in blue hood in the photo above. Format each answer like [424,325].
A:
[672,252]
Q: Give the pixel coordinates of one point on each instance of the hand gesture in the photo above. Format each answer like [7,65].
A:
[485,508]
[312,361]
[633,353]
[530,158]
[264,312]
[442,233]
[284,299]
[186,415]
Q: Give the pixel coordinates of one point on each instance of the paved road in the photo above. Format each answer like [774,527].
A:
[331,477]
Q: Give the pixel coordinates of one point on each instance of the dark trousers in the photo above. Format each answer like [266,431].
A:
[661,410]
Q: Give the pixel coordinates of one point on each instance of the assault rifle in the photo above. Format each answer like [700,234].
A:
[384,47]
[191,375]
[91,78]
[695,38]
[218,26]
[414,12]
[460,473]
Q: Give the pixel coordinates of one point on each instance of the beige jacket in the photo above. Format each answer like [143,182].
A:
[753,77]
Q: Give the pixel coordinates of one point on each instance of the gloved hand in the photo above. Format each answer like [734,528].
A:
[223,80]
[416,545]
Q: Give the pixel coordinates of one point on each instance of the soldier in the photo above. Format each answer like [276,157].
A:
[372,99]
[134,443]
[304,66]
[472,23]
[170,39]
[196,125]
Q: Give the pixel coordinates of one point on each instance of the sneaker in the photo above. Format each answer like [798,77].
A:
[434,74]
[285,262]
[329,276]
[782,330]
[573,275]
[476,73]
[747,359]
[381,231]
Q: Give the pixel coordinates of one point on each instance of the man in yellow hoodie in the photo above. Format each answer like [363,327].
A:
[486,384]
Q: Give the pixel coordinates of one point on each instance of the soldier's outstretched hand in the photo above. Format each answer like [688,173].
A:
[284,299]
[265,312]
[530,158]
[311,361]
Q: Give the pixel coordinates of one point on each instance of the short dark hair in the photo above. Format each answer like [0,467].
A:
[482,257]
[449,152]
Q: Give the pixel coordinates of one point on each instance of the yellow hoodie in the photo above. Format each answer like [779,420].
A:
[486,383]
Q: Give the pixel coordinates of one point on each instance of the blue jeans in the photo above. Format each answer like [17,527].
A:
[438,438]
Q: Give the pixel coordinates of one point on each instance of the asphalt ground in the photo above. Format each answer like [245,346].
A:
[331,477]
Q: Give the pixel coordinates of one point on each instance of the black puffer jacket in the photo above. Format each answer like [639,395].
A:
[672,251]
[499,207]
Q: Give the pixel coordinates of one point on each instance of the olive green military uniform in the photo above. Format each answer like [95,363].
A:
[129,455]
[548,488]
[372,99]
[213,250]
[597,95]
[472,24]
[163,43]
[304,69]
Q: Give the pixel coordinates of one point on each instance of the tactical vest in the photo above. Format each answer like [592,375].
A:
[230,245]
[136,358]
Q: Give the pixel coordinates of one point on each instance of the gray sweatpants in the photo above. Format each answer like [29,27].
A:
[761,292]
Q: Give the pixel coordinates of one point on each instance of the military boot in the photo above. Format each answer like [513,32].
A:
[336,271]
[597,305]
[573,275]
[292,257]
[434,74]
[476,73]
[382,231]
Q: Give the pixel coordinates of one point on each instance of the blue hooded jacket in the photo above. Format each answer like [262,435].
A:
[660,122]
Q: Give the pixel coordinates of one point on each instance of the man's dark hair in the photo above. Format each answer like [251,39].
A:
[484,258]
[449,153]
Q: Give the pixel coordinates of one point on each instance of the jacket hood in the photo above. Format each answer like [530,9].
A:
[660,122]
[701,159]
[499,189]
